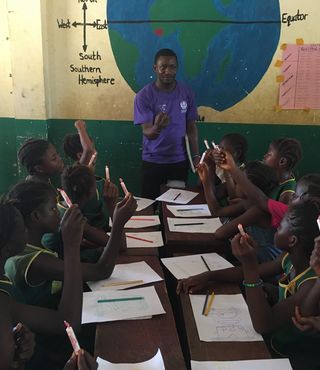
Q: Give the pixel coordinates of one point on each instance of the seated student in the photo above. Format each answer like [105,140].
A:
[237,146]
[35,269]
[310,308]
[308,188]
[79,147]
[78,181]
[13,238]
[257,223]
[295,237]
[16,344]
[41,160]
[283,155]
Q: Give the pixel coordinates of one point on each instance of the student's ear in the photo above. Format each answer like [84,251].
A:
[38,168]
[283,162]
[154,68]
[293,241]
[79,154]
[34,216]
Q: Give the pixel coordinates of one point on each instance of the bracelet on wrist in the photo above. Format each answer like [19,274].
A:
[257,284]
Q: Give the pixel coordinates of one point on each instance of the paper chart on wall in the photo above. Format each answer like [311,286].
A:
[155,363]
[137,222]
[193,210]
[194,225]
[228,320]
[127,275]
[113,305]
[184,266]
[270,364]
[143,203]
[178,196]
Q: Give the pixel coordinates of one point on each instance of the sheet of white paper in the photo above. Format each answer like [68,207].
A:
[194,225]
[135,274]
[155,363]
[143,203]
[137,222]
[92,311]
[270,364]
[178,196]
[228,320]
[192,210]
[185,266]
[154,236]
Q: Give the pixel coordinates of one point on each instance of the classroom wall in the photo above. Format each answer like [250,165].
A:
[43,92]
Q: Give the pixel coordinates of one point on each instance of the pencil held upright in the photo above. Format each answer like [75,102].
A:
[72,337]
[107,173]
[123,185]
[65,197]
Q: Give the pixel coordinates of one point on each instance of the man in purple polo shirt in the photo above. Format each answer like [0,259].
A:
[166,111]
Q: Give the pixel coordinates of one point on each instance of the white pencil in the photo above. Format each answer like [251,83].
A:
[65,197]
[92,159]
[202,157]
[241,230]
[206,143]
[215,146]
[123,185]
[107,173]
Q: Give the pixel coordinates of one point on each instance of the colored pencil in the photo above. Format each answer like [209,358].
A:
[204,261]
[195,223]
[117,283]
[206,313]
[137,238]
[120,299]
[177,196]
[205,304]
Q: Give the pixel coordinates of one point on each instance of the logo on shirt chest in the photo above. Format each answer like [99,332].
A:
[183,106]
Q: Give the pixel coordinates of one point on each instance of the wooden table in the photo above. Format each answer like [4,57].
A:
[218,351]
[177,242]
[133,341]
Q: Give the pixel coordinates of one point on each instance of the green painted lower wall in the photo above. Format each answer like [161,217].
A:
[119,144]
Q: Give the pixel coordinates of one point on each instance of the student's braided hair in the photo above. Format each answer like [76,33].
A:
[8,215]
[30,195]
[239,145]
[262,176]
[312,183]
[77,181]
[302,219]
[31,152]
[290,149]
[72,146]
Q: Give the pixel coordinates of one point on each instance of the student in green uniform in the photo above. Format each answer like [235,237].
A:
[41,160]
[295,237]
[35,269]
[13,238]
[283,155]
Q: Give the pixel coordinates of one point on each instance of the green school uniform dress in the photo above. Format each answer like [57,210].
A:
[7,287]
[288,186]
[289,341]
[17,267]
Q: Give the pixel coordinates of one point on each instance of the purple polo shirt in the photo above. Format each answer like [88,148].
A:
[179,104]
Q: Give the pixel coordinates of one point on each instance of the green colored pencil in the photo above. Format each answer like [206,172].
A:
[120,299]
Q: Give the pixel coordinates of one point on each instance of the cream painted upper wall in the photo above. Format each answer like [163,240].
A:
[6,98]
[42,56]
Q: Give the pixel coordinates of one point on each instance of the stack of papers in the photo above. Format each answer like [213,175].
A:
[194,225]
[184,266]
[127,275]
[274,364]
[228,320]
[155,363]
[193,210]
[178,196]
[113,305]
[137,222]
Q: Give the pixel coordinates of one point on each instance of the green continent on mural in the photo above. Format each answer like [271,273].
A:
[194,38]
